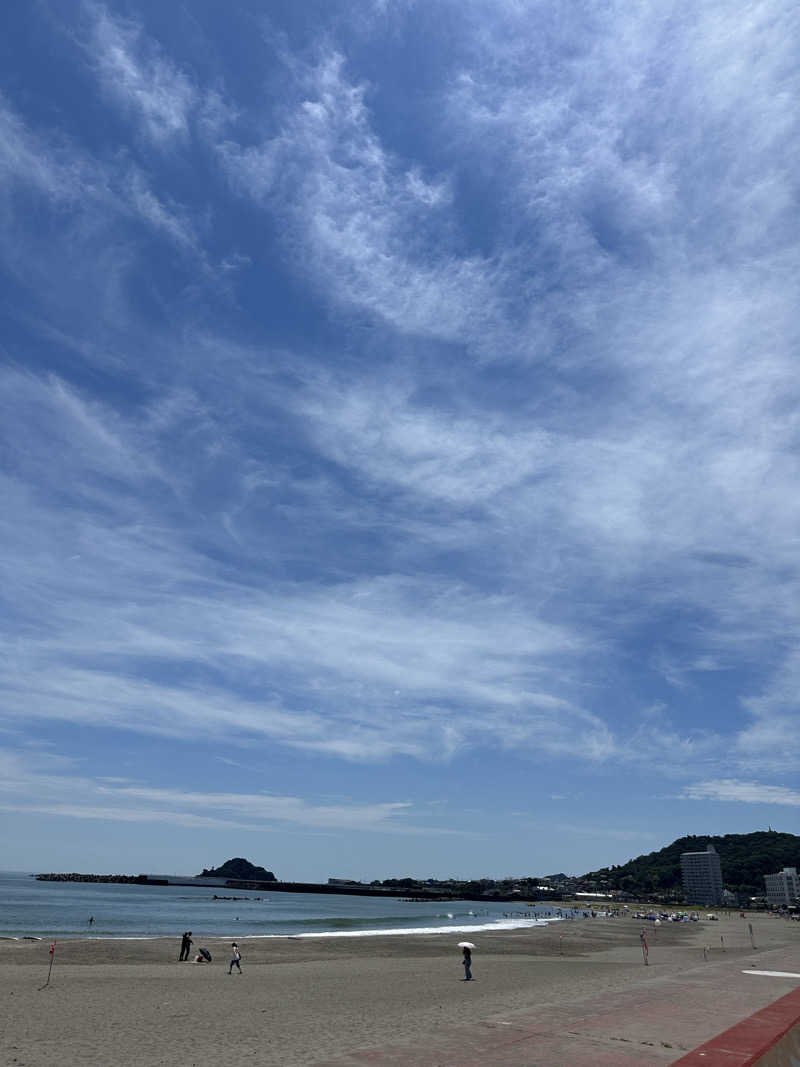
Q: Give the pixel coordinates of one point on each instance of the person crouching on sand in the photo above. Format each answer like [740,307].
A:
[235,957]
[467,964]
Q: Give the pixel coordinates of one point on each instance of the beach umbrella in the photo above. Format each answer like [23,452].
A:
[205,954]
[465,944]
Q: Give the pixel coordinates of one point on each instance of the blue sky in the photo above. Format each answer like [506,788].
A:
[399,433]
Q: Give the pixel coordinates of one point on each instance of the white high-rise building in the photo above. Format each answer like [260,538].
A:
[702,876]
[783,888]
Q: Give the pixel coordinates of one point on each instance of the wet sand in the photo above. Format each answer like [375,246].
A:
[347,1000]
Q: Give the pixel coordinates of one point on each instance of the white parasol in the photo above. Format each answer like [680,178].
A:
[465,944]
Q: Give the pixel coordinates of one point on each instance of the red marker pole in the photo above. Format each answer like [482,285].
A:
[50,969]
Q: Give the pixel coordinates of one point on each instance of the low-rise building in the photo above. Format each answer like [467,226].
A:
[783,888]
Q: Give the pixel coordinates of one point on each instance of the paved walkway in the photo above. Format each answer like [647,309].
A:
[656,1023]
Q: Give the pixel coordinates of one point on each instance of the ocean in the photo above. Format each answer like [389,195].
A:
[53,910]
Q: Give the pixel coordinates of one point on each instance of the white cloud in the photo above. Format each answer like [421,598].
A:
[145,82]
[362,668]
[740,792]
[605,832]
[461,460]
[29,774]
[622,488]
[24,159]
[88,196]
[87,438]
[769,742]
[367,226]
[171,220]
[385,675]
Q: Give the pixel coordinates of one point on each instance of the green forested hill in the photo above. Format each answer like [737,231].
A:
[744,858]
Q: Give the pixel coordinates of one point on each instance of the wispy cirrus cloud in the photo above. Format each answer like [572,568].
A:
[86,436]
[371,229]
[353,685]
[135,72]
[23,158]
[769,742]
[73,796]
[482,441]
[464,460]
[360,668]
[743,792]
[641,837]
[87,196]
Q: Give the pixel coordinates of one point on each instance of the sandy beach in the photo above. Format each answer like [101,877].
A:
[372,999]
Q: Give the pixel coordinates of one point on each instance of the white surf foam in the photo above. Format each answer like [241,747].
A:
[472,928]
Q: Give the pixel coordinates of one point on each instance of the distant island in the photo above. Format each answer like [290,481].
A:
[239,870]
[656,877]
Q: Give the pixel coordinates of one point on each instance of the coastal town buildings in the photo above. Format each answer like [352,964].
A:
[702,876]
[783,888]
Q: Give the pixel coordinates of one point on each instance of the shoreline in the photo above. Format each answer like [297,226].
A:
[523,921]
[398,925]
[413,931]
[510,922]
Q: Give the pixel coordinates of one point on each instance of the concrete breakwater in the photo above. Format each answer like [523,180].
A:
[272,887]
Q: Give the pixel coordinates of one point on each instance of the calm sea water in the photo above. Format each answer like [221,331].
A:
[61,910]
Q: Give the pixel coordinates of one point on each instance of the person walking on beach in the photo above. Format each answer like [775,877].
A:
[645,952]
[467,964]
[235,957]
[186,944]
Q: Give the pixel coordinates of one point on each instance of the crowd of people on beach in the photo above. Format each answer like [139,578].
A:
[204,956]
